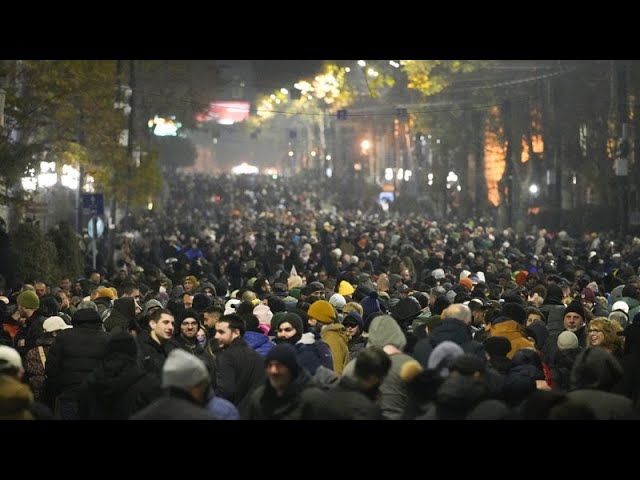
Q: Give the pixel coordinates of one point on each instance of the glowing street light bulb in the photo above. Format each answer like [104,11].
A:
[533,188]
[362,63]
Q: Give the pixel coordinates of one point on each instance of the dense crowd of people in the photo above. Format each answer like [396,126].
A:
[254,298]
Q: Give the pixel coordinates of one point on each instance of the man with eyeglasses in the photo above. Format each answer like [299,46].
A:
[189,322]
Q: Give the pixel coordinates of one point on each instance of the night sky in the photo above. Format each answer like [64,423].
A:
[281,73]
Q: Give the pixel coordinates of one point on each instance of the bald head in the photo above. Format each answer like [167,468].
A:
[459,311]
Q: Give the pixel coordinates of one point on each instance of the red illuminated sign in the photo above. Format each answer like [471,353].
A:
[225,113]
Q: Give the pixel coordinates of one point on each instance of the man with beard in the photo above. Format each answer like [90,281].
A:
[288,393]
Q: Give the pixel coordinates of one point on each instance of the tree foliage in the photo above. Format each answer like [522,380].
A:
[69,257]
[35,254]
[63,111]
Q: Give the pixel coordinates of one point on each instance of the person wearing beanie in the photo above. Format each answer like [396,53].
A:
[188,323]
[71,358]
[515,311]
[106,292]
[294,281]
[564,356]
[355,327]
[31,329]
[28,300]
[591,304]
[573,321]
[321,311]
[276,304]
[264,315]
[567,340]
[186,382]
[467,283]
[574,316]
[255,336]
[405,311]
[288,392]
[345,289]
[440,304]
[118,387]
[149,307]
[200,302]
[322,320]
[311,350]
[370,306]
[553,309]
[337,301]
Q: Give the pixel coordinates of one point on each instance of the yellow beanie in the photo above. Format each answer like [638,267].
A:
[107,292]
[322,311]
[345,288]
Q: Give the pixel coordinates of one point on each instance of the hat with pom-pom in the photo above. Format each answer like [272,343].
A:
[370,305]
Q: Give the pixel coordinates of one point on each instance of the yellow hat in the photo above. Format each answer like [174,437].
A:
[345,288]
[322,311]
[107,292]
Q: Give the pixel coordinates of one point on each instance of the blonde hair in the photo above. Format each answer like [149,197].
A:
[612,340]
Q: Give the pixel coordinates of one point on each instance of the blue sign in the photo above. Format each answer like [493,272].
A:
[93,203]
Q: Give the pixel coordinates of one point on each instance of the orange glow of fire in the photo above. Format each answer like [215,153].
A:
[524,157]
[495,158]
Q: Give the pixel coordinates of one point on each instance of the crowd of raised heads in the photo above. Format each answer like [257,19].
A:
[251,298]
